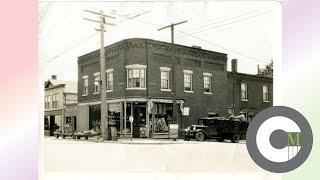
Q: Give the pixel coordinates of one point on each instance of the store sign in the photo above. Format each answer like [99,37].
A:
[173,131]
[186,111]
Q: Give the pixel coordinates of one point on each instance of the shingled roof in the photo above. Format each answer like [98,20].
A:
[70,86]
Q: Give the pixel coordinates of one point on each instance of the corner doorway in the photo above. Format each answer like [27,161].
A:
[139,122]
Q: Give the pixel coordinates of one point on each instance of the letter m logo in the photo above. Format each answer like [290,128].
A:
[294,139]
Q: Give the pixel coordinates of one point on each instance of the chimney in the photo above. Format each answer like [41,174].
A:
[54,77]
[234,65]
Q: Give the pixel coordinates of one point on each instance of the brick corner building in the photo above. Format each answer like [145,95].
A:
[139,76]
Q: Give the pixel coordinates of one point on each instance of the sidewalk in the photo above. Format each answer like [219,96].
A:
[149,141]
[124,140]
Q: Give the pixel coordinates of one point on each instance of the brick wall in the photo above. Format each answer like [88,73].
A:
[156,54]
[255,101]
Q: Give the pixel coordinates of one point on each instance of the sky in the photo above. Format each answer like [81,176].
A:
[249,31]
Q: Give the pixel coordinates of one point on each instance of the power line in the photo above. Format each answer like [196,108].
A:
[227,23]
[206,41]
[219,46]
[75,43]
[219,20]
[69,47]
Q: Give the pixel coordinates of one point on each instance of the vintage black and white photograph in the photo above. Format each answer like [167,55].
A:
[155,86]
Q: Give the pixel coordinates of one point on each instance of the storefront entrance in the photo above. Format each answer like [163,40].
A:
[151,118]
[139,123]
[49,125]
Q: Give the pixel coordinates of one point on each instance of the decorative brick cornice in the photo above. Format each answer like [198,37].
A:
[139,43]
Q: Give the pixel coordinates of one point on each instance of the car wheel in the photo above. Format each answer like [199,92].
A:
[186,139]
[200,136]
[220,139]
[235,138]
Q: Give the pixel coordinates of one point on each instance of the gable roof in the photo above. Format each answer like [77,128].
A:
[69,86]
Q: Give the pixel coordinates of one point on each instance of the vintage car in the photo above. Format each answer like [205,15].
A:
[217,128]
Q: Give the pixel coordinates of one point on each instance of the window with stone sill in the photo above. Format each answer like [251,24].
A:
[165,79]
[187,81]
[109,80]
[85,86]
[207,83]
[244,92]
[265,93]
[97,83]
[136,78]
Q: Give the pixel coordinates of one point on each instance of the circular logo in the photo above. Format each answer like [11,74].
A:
[279,139]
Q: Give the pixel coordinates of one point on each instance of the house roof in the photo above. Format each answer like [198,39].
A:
[70,86]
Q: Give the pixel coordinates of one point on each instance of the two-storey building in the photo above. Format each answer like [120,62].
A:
[140,74]
[248,93]
[60,104]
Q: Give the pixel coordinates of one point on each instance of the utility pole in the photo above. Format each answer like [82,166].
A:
[104,111]
[174,97]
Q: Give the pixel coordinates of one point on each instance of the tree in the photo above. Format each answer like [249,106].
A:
[267,70]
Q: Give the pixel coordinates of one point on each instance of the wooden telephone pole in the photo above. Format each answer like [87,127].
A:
[174,97]
[103,93]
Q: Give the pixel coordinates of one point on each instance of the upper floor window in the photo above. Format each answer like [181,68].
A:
[244,92]
[47,102]
[109,79]
[136,76]
[85,85]
[207,83]
[265,93]
[165,75]
[55,98]
[187,81]
[96,83]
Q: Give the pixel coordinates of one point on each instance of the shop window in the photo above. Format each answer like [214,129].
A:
[46,123]
[265,93]
[187,81]
[244,92]
[127,129]
[114,114]
[163,116]
[94,118]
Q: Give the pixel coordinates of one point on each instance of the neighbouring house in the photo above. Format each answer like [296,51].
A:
[142,79]
[60,107]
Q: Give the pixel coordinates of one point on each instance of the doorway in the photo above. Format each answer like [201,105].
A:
[52,125]
[139,116]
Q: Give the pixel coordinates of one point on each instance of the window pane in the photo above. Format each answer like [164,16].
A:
[130,79]
[136,78]
[135,73]
[265,93]
[244,91]
[164,79]
[207,83]
[187,82]
[142,78]
[109,80]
